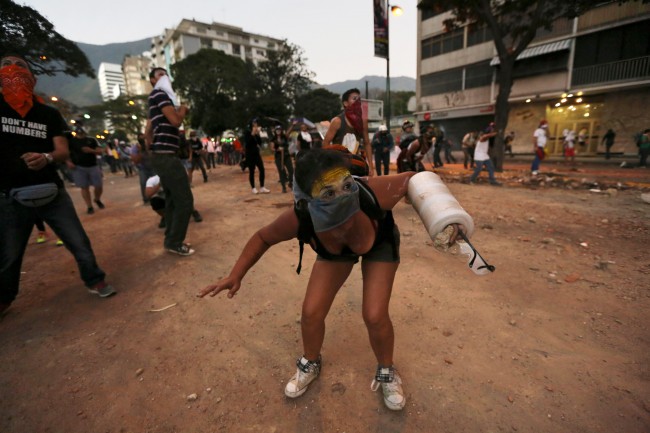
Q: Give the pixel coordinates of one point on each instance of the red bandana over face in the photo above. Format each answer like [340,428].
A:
[354,114]
[18,88]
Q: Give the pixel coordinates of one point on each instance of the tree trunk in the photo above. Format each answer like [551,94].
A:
[502,109]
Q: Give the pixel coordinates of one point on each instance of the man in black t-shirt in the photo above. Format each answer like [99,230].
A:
[33,139]
[197,156]
[86,172]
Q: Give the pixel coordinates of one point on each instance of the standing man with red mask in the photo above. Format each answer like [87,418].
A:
[33,140]
[351,123]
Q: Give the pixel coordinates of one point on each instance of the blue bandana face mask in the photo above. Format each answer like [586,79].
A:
[329,214]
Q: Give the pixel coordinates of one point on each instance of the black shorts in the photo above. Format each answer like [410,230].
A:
[157,203]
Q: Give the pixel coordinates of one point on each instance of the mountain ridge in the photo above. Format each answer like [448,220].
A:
[83,91]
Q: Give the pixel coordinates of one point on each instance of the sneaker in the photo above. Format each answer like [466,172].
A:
[183,250]
[391,386]
[264,190]
[306,373]
[41,238]
[162,224]
[99,204]
[495,183]
[59,243]
[255,191]
[103,290]
[197,216]
[91,210]
[534,172]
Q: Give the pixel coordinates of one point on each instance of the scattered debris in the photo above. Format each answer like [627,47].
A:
[164,308]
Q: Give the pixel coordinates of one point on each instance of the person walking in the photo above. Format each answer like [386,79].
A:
[539,145]
[196,147]
[382,146]
[644,149]
[252,145]
[33,139]
[280,146]
[162,137]
[482,157]
[85,171]
[469,142]
[608,139]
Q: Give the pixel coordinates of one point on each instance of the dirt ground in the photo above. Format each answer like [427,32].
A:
[556,340]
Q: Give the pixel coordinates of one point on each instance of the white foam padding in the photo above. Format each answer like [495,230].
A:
[435,204]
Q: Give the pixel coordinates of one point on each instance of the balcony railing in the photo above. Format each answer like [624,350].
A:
[623,70]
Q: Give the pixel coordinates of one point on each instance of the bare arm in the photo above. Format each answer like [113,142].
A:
[335,124]
[148,134]
[175,116]
[390,189]
[285,227]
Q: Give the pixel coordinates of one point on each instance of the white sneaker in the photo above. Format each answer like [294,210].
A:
[255,191]
[394,398]
[534,172]
[265,190]
[306,373]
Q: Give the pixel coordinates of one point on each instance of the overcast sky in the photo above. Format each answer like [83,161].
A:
[336,35]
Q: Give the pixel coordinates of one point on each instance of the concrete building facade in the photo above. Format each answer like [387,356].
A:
[136,74]
[111,81]
[588,74]
[190,36]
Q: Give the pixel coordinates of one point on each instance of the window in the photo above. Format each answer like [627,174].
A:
[432,11]
[540,65]
[478,34]
[444,43]
[441,82]
[206,43]
[270,45]
[620,43]
[478,75]
[236,49]
[200,29]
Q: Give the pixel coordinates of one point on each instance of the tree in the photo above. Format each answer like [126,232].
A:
[317,105]
[513,24]
[398,101]
[282,78]
[216,86]
[125,113]
[26,32]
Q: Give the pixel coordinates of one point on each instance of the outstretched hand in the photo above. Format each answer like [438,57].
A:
[228,283]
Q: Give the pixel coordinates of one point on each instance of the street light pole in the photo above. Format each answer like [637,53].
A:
[397,11]
[387,108]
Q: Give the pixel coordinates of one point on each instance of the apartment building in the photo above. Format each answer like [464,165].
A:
[136,74]
[190,36]
[111,81]
[587,74]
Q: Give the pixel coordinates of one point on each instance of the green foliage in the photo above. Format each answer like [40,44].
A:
[398,101]
[217,87]
[120,112]
[318,105]
[225,92]
[25,32]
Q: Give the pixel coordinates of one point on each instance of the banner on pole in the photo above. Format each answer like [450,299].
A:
[380,11]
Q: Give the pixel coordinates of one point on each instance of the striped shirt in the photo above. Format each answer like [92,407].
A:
[165,135]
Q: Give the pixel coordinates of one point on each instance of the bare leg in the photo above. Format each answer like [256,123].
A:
[326,279]
[98,192]
[85,194]
[378,280]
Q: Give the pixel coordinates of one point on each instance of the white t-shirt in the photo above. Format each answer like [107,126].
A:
[481,151]
[540,133]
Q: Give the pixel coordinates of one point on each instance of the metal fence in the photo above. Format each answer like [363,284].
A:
[623,70]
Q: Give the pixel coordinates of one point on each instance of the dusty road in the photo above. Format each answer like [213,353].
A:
[556,340]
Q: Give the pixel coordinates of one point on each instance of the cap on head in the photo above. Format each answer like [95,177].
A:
[383,128]
[543,122]
[407,124]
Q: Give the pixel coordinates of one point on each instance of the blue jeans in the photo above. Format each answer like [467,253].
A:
[16,224]
[479,167]
[179,201]
[536,162]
